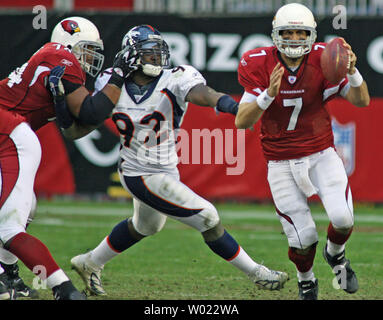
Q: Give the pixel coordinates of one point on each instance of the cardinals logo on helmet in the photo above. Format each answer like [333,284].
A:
[70,26]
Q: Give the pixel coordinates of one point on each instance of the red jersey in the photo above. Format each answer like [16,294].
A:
[24,93]
[297,123]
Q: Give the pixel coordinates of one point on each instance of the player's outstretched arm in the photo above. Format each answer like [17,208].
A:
[250,112]
[93,110]
[358,94]
[79,113]
[205,96]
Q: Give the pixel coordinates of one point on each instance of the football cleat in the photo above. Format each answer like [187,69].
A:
[67,291]
[90,274]
[308,290]
[338,263]
[15,282]
[5,291]
[268,279]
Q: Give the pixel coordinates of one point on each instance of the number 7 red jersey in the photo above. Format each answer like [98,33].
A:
[297,123]
[24,95]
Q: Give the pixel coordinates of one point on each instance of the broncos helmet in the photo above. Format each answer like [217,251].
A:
[144,41]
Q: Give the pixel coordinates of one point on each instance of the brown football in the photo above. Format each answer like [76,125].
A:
[334,61]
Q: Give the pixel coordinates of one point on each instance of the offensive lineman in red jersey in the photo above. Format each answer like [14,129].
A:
[26,104]
[285,86]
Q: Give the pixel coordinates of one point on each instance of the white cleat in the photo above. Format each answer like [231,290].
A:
[90,273]
[267,279]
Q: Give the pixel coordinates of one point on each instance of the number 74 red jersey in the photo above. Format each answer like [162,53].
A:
[297,123]
[24,94]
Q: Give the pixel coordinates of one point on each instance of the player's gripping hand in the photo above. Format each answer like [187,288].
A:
[352,59]
[275,80]
[63,115]
[55,84]
[123,66]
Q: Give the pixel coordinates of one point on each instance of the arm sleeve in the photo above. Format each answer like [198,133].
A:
[69,86]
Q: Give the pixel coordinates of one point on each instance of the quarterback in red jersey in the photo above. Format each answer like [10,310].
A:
[56,72]
[285,88]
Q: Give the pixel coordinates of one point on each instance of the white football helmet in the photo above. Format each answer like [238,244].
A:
[294,16]
[82,37]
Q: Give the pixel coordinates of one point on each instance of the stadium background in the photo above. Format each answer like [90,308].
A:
[210,35]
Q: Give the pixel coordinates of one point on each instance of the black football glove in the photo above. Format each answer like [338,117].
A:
[123,66]
[63,115]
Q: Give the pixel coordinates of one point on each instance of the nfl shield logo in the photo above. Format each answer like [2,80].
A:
[292,79]
[344,140]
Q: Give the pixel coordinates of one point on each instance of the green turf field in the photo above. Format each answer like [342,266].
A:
[176,264]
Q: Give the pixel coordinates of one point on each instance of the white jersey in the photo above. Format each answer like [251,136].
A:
[147,118]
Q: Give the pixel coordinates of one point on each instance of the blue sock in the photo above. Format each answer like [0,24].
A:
[225,246]
[120,237]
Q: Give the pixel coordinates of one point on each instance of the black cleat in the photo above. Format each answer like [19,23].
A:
[6,292]
[15,282]
[338,263]
[67,291]
[308,290]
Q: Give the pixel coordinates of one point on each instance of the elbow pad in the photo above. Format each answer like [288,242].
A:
[95,109]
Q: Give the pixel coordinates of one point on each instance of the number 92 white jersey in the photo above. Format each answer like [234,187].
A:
[147,119]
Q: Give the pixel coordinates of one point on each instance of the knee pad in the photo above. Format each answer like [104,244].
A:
[344,221]
[211,218]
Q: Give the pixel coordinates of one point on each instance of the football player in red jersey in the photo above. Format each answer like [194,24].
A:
[285,88]
[26,104]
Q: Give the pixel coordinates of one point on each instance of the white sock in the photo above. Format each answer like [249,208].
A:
[102,253]
[306,276]
[333,249]
[7,257]
[243,262]
[56,278]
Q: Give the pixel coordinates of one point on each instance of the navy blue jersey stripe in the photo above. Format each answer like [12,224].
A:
[177,111]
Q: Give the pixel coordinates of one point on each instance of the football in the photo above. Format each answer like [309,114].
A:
[335,61]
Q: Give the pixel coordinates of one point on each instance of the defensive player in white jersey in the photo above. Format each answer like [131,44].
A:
[149,110]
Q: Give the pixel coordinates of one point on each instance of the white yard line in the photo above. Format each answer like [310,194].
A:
[225,214]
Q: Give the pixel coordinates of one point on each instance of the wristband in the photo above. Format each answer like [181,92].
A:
[356,79]
[227,104]
[264,100]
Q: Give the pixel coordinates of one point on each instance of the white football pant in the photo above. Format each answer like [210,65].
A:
[17,207]
[292,181]
[157,196]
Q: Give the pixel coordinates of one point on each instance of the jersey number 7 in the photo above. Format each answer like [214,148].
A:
[297,103]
